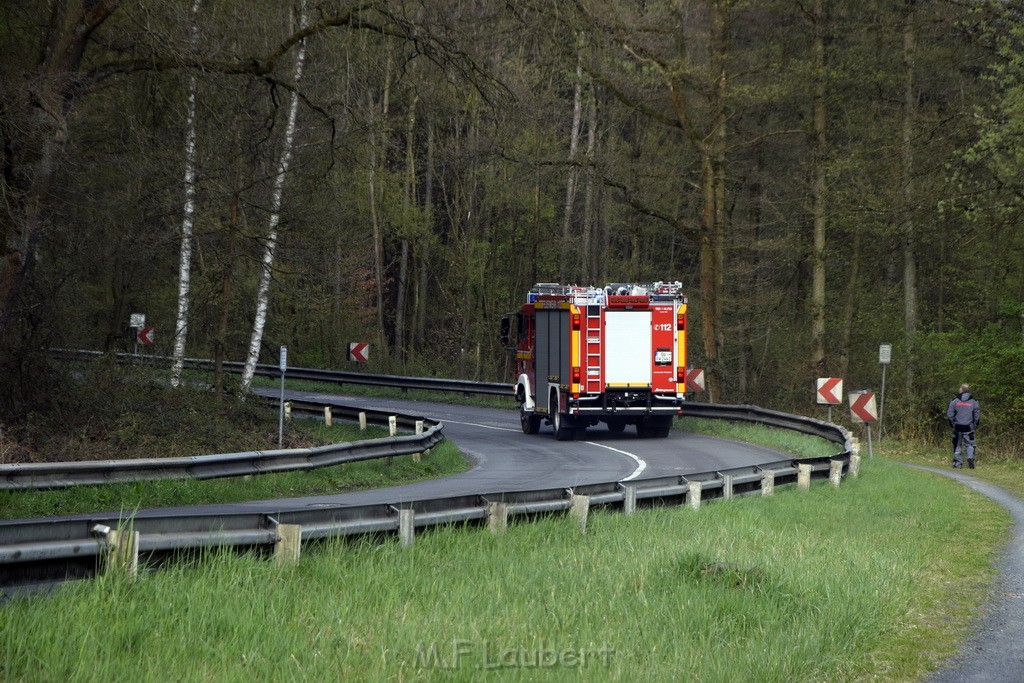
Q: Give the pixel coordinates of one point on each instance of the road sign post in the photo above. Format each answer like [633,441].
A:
[884,357]
[280,422]
[136,321]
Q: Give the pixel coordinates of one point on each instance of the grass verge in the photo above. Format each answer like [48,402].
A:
[1007,473]
[831,584]
[784,440]
[444,459]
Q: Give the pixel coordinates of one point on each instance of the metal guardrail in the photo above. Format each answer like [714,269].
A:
[32,551]
[24,476]
[35,551]
[338,377]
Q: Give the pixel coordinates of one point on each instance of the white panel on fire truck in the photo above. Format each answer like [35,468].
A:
[627,347]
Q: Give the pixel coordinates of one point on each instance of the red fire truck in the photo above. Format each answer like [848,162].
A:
[585,355]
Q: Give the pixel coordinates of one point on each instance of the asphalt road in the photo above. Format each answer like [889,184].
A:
[508,460]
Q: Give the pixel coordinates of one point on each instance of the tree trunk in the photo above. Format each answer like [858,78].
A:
[266,273]
[188,219]
[570,185]
[818,188]
[849,307]
[408,203]
[907,159]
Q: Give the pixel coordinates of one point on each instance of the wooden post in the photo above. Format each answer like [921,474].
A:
[767,483]
[123,552]
[419,431]
[579,509]
[497,517]
[803,477]
[854,466]
[407,526]
[727,492]
[835,472]
[629,499]
[327,416]
[694,495]
[289,545]
[362,421]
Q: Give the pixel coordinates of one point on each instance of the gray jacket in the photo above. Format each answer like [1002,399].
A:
[964,413]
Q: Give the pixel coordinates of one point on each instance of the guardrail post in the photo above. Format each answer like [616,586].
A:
[288,411]
[123,552]
[289,544]
[406,526]
[767,483]
[327,416]
[835,472]
[693,497]
[579,509]
[803,477]
[362,420]
[419,430]
[854,466]
[727,492]
[629,499]
[497,517]
[393,425]
[854,445]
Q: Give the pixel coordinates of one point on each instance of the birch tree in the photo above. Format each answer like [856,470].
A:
[188,217]
[277,193]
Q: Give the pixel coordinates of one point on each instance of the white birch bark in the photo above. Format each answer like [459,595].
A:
[188,220]
[570,185]
[262,294]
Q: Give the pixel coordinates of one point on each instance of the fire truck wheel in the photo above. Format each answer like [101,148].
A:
[530,421]
[563,431]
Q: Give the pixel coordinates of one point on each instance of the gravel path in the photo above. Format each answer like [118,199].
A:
[996,651]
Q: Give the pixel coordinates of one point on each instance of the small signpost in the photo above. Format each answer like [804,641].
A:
[280,422]
[145,336]
[830,393]
[884,357]
[137,321]
[862,410]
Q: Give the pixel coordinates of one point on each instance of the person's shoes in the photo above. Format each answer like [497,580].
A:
[970,463]
[957,466]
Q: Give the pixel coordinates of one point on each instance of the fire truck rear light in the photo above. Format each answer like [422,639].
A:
[680,322]
[576,375]
[575,321]
[681,375]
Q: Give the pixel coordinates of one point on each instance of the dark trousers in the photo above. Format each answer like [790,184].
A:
[963,440]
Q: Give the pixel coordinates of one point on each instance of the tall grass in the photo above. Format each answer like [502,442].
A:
[831,584]
[784,440]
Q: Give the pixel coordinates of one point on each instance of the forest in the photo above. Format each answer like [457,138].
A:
[822,177]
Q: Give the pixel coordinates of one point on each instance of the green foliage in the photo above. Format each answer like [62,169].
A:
[991,361]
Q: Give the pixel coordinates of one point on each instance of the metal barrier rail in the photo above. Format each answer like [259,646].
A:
[58,550]
[24,476]
[338,377]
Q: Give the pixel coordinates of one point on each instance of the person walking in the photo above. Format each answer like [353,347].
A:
[964,414]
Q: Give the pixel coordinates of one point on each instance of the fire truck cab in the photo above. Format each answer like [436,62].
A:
[585,355]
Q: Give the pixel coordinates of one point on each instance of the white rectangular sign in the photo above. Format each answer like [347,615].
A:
[885,354]
[284,358]
[137,320]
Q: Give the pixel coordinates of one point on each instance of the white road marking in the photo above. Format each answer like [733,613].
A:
[475,424]
[641,465]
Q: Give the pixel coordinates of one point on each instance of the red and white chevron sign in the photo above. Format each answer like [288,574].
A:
[358,352]
[862,407]
[694,379]
[830,391]
[145,335]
